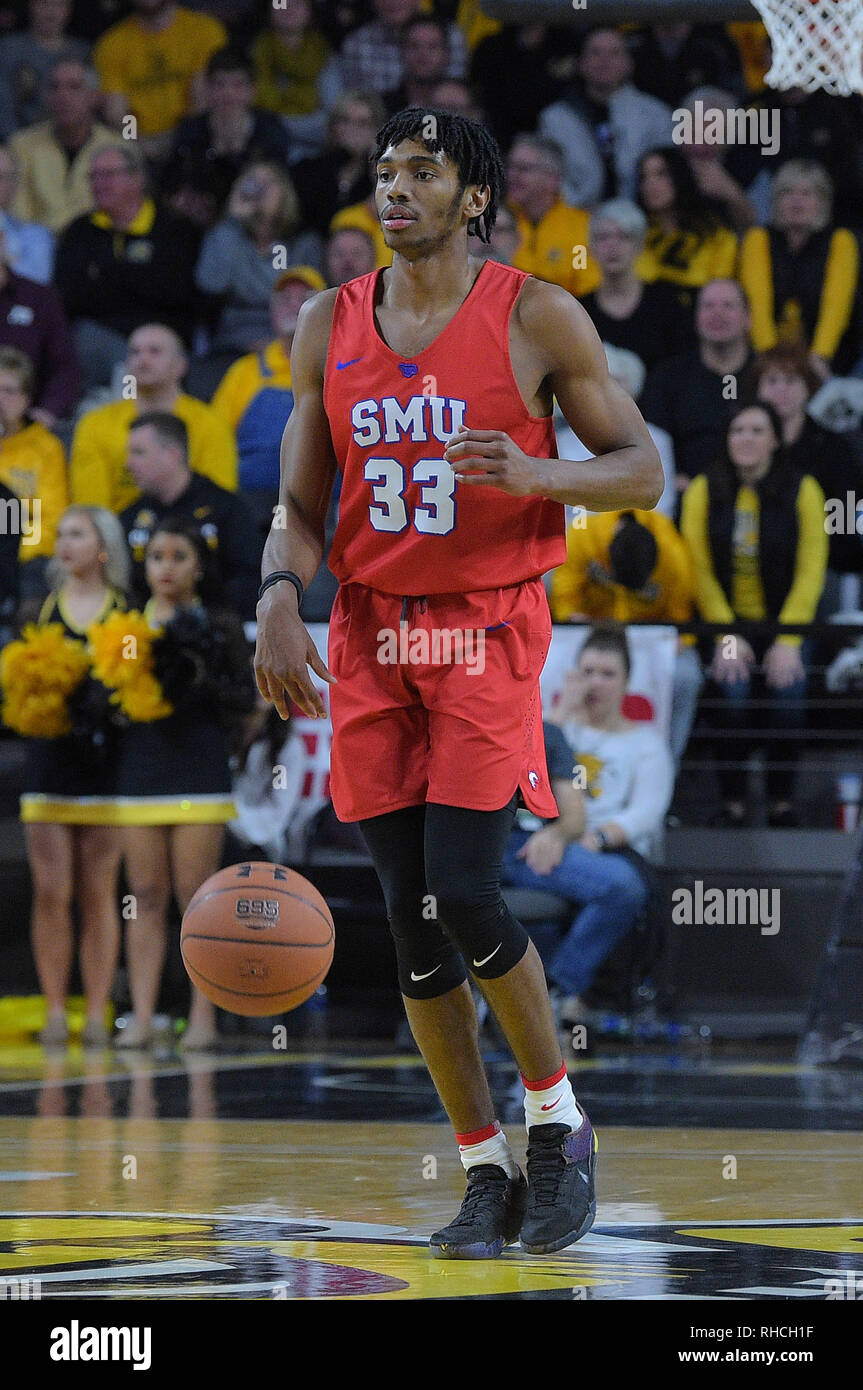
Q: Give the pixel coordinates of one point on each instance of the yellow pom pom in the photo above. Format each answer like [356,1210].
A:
[142,700]
[37,675]
[121,648]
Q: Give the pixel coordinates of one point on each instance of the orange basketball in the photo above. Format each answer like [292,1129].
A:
[257,939]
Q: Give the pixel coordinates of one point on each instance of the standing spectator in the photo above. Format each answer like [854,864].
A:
[801,273]
[73,853]
[648,320]
[784,377]
[690,396]
[126,264]
[340,175]
[551,232]
[33,465]
[158,458]
[255,398]
[295,72]
[425,54]
[371,56]
[348,254]
[241,259]
[151,66]
[54,156]
[29,247]
[756,532]
[604,123]
[32,320]
[686,243]
[156,364]
[671,59]
[633,567]
[26,59]
[627,775]
[230,132]
[518,71]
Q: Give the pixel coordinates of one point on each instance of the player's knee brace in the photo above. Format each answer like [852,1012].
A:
[428,963]
[491,940]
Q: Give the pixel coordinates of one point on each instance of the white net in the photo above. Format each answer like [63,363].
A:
[815,43]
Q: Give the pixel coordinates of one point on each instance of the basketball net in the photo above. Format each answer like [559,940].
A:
[816,44]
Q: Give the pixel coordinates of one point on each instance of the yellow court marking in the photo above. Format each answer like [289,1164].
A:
[835,1240]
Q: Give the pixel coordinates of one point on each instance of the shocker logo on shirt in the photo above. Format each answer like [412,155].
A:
[586,774]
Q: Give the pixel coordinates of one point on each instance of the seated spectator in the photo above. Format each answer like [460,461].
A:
[230,132]
[371,56]
[151,65]
[504,241]
[295,70]
[686,243]
[364,217]
[633,567]
[690,395]
[623,778]
[54,156]
[552,234]
[517,71]
[126,264]
[459,98]
[255,398]
[33,465]
[756,531]
[604,123]
[30,248]
[348,254]
[32,320]
[707,162]
[156,364]
[784,377]
[425,54]
[265,810]
[648,320]
[241,259]
[27,58]
[158,454]
[340,175]
[801,273]
[670,59]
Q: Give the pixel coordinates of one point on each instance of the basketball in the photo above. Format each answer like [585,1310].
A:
[257,939]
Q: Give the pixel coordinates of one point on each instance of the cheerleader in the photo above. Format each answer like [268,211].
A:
[174,779]
[72,849]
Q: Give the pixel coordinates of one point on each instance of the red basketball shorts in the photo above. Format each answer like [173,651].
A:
[438,700]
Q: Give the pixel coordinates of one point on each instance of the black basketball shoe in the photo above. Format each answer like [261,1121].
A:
[561,1195]
[491,1216]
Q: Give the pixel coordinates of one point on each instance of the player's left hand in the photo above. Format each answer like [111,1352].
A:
[493,460]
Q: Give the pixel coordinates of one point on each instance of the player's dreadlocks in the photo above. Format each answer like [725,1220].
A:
[471,147]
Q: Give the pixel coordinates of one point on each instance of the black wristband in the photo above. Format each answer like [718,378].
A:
[283,574]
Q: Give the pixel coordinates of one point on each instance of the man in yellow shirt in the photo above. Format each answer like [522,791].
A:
[553,242]
[254,397]
[151,65]
[633,567]
[155,366]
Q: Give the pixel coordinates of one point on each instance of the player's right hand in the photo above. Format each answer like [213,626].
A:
[284,653]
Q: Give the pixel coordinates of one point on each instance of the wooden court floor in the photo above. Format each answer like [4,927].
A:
[320,1174]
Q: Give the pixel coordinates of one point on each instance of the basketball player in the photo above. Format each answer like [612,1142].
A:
[430,385]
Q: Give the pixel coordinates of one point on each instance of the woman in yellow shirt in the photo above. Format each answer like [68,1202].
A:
[687,243]
[755,528]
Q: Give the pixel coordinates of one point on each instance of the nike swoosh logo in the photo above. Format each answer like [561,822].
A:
[340,366]
[478,963]
[583,1176]
[553,1104]
[426,975]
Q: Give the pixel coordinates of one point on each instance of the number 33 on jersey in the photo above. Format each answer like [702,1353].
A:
[405,526]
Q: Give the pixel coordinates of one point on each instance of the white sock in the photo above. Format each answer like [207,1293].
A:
[487,1145]
[551,1101]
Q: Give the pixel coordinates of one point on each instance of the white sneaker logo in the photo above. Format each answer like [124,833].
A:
[425,976]
[478,963]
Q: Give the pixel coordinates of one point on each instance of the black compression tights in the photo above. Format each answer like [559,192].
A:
[439,868]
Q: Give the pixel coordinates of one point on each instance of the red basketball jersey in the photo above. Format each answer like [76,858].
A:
[406,526]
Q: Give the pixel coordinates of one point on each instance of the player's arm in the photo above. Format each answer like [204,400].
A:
[285,650]
[599,411]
